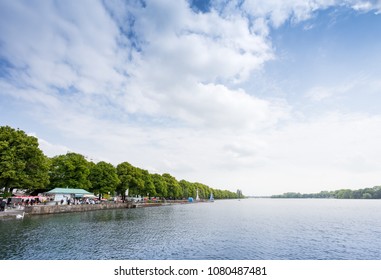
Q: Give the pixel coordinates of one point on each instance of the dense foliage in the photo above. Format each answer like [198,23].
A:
[24,166]
[367,193]
[103,178]
[22,163]
[69,170]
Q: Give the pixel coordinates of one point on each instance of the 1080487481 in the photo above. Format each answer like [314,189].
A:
[237,270]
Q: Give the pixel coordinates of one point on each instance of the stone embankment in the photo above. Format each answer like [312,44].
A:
[54,209]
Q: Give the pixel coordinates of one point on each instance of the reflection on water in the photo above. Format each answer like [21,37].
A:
[246,229]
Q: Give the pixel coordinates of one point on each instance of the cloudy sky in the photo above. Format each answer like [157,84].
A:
[268,96]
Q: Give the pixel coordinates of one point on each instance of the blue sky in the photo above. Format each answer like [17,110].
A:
[265,96]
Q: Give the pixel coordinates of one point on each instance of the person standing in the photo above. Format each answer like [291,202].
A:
[2,205]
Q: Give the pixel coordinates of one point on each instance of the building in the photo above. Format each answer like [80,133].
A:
[66,194]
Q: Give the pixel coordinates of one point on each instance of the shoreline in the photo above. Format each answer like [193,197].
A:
[57,209]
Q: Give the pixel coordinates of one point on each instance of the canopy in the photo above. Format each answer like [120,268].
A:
[89,196]
[68,191]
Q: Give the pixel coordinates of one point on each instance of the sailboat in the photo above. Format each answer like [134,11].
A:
[211,198]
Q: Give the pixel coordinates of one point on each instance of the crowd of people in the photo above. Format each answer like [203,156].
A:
[18,202]
[78,201]
[22,201]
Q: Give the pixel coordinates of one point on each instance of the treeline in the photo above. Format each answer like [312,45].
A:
[24,166]
[367,193]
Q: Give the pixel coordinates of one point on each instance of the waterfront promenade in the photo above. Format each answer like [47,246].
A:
[55,209]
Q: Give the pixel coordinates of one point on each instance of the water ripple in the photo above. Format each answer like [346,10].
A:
[246,229]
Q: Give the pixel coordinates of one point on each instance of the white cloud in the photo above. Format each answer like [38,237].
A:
[51,149]
[320,93]
[61,46]
[278,11]
[69,54]
[330,152]
[362,6]
[201,47]
[214,106]
[359,86]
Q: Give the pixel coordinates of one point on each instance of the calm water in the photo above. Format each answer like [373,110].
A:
[246,229]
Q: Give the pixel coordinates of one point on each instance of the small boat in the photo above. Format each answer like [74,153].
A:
[211,198]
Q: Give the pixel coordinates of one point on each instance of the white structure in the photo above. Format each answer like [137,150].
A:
[197,197]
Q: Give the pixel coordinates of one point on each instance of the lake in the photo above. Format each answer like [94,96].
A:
[262,229]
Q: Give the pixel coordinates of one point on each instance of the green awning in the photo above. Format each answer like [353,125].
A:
[68,191]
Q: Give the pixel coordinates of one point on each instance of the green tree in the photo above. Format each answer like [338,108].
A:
[239,193]
[344,194]
[124,171]
[103,178]
[71,170]
[137,182]
[357,194]
[149,186]
[174,189]
[192,190]
[22,164]
[366,196]
[160,185]
[186,188]
[376,192]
